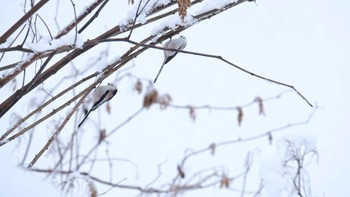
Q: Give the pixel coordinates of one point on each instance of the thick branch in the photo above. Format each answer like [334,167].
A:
[22,20]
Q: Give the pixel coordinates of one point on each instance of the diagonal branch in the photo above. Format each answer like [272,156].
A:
[93,17]
[22,20]
[12,100]
[55,134]
[44,105]
[78,19]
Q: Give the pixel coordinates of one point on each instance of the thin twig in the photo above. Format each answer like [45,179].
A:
[16,48]
[28,147]
[211,56]
[135,114]
[221,108]
[47,28]
[75,18]
[93,17]
[44,105]
[74,23]
[22,20]
[55,134]
[137,14]
[259,136]
[13,41]
[54,111]
[113,186]
[248,165]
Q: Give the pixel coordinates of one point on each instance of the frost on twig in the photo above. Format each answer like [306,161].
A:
[286,172]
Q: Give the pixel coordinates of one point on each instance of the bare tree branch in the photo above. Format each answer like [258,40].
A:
[22,20]
[59,129]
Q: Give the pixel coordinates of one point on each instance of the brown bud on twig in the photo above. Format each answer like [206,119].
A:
[261,105]
[212,148]
[180,171]
[102,135]
[131,2]
[225,182]
[240,116]
[138,86]
[270,138]
[192,112]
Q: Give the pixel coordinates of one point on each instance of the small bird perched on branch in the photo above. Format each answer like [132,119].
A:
[175,44]
[102,94]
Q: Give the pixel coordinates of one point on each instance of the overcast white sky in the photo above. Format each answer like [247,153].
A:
[304,43]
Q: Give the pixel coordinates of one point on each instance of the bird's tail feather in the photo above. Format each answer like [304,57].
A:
[84,118]
[160,70]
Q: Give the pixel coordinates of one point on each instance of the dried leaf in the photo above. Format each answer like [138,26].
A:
[180,171]
[183,5]
[102,135]
[212,148]
[92,189]
[164,101]
[192,112]
[150,98]
[225,182]
[138,86]
[260,102]
[240,116]
[270,138]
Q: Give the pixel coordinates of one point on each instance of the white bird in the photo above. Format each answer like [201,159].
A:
[176,44]
[102,94]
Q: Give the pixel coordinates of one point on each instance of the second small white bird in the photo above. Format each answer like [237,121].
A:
[102,94]
[176,44]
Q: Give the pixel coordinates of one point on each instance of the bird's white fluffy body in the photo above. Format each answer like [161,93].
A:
[175,44]
[102,94]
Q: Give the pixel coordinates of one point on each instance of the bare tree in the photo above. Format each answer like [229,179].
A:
[39,61]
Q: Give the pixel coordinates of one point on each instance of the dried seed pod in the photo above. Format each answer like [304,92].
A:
[92,189]
[225,182]
[240,116]
[212,148]
[164,101]
[270,138]
[102,135]
[150,98]
[180,171]
[192,112]
[138,86]
[183,6]
[260,102]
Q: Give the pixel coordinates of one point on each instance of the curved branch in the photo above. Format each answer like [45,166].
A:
[214,57]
